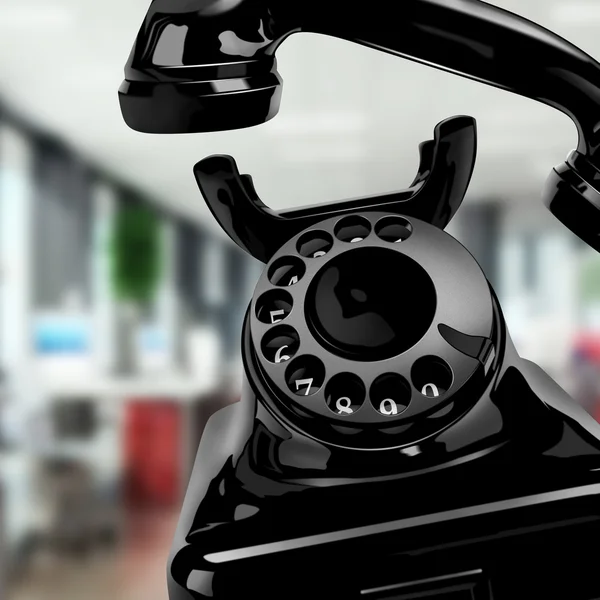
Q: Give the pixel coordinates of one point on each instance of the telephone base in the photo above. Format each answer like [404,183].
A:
[524,547]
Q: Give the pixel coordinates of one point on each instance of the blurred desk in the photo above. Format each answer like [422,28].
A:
[180,405]
[103,449]
[184,389]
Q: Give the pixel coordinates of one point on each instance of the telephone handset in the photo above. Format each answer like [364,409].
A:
[209,65]
[387,421]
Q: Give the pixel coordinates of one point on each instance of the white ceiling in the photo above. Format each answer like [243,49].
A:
[350,121]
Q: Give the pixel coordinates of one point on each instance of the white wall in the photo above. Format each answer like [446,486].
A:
[542,315]
[15,250]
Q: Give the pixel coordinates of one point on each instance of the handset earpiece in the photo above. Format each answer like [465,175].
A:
[572,195]
[445,170]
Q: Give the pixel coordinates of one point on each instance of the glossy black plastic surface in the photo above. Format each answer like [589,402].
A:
[212,50]
[209,65]
[287,491]
[573,197]
[390,442]
[377,327]
[445,170]
[271,511]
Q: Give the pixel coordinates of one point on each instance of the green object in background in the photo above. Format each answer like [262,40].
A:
[136,269]
[589,279]
[136,254]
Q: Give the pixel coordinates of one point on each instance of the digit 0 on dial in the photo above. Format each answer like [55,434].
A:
[431,376]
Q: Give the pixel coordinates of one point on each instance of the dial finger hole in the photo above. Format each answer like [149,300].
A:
[273,307]
[314,244]
[345,394]
[390,394]
[352,229]
[305,376]
[432,376]
[280,344]
[286,271]
[393,229]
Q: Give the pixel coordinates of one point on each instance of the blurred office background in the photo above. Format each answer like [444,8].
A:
[121,302]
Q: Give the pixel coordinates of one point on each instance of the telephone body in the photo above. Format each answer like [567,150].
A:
[390,442]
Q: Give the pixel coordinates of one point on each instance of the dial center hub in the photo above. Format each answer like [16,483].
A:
[370,304]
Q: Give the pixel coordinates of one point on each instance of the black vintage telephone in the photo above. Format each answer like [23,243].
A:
[390,442]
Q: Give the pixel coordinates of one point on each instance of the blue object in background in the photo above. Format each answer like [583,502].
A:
[61,335]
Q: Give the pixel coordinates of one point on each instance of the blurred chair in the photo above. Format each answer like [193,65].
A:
[83,512]
[67,487]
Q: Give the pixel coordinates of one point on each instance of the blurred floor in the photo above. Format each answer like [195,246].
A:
[136,571]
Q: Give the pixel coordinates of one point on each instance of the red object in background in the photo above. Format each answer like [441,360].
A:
[152,453]
[587,345]
[586,351]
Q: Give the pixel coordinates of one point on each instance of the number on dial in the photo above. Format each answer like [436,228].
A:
[304,382]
